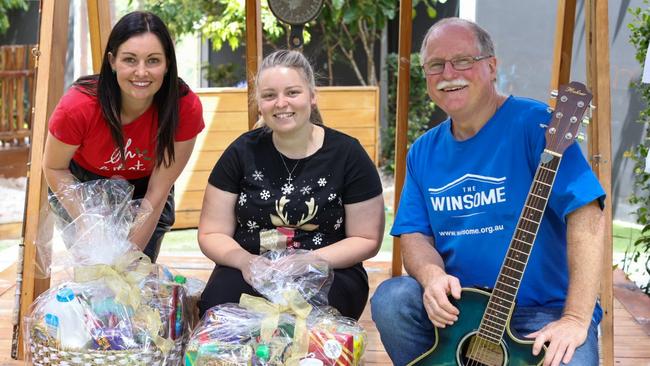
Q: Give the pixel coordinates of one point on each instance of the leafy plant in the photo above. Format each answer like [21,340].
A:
[640,251]
[343,25]
[420,110]
[5,6]
[230,74]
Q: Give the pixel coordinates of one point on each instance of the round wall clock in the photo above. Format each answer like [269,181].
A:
[295,12]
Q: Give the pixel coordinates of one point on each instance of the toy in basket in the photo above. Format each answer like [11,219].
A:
[119,309]
[293,327]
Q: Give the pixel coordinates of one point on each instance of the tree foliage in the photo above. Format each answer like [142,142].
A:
[640,251]
[420,110]
[344,25]
[5,6]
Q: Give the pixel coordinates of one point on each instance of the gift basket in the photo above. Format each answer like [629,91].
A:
[118,308]
[292,325]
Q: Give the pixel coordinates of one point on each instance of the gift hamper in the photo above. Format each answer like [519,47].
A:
[118,308]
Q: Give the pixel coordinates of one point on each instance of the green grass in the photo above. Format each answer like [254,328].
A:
[387,243]
[624,236]
[4,244]
[181,241]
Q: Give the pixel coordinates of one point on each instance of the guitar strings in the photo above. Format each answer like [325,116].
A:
[545,172]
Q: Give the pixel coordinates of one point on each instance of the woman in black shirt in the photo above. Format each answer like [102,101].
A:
[291,183]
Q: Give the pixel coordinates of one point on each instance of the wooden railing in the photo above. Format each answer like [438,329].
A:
[17,67]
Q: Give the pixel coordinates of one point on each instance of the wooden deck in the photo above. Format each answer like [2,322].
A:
[631,342]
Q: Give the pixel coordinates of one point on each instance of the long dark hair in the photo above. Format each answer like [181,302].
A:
[108,91]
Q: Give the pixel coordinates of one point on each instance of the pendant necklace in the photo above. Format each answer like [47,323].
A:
[288,187]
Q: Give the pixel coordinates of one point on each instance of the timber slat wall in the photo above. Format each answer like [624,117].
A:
[16,93]
[352,110]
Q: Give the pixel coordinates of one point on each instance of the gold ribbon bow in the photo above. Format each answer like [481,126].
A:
[123,278]
[296,305]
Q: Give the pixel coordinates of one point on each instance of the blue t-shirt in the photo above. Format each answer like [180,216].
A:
[469,194]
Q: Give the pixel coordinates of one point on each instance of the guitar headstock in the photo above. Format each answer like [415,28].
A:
[573,99]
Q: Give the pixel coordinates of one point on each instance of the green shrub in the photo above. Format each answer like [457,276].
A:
[420,109]
[639,252]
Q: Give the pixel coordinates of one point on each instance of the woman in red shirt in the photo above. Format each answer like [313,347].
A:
[135,119]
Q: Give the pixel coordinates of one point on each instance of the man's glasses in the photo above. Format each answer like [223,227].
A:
[436,67]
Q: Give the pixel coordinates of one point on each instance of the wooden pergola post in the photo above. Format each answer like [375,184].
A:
[402,115]
[99,26]
[563,50]
[599,132]
[600,152]
[253,54]
[50,71]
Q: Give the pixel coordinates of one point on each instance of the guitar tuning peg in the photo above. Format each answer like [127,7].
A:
[549,110]
[580,137]
[591,106]
[554,93]
[586,120]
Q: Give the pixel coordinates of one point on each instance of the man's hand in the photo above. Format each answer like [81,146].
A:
[564,336]
[436,301]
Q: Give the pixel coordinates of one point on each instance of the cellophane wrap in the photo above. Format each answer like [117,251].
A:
[276,272]
[118,306]
[292,325]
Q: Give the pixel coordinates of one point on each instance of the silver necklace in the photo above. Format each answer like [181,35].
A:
[290,177]
[288,187]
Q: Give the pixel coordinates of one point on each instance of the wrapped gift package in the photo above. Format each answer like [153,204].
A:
[291,325]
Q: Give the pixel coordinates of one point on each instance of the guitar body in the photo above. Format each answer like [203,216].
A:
[453,342]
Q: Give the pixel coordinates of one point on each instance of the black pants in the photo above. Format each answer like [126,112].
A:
[167,216]
[348,294]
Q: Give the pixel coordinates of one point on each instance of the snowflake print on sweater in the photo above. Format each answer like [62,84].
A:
[257,175]
[242,199]
[318,239]
[287,188]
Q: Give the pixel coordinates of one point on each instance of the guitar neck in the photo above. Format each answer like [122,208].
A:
[502,299]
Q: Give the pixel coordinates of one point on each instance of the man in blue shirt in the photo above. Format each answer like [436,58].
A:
[467,181]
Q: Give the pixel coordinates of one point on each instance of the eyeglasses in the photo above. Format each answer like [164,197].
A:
[436,67]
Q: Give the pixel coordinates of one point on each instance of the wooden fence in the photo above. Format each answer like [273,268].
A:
[16,94]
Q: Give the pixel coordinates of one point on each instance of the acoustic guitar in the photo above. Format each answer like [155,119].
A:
[482,336]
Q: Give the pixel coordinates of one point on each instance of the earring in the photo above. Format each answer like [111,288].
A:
[113,71]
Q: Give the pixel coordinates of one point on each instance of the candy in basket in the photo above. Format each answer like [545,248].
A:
[116,310]
[293,327]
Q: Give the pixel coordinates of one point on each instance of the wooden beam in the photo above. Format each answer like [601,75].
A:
[402,115]
[99,26]
[50,70]
[253,54]
[600,151]
[563,50]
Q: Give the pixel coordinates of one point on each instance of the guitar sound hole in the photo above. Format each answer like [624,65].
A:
[477,351]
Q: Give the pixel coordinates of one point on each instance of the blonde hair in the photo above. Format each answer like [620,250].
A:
[293,60]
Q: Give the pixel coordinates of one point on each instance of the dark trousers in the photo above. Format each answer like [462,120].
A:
[348,294]
[167,216]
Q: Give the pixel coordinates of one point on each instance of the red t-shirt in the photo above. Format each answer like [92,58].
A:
[78,120]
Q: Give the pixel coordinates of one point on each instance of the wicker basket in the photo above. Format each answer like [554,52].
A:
[45,354]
